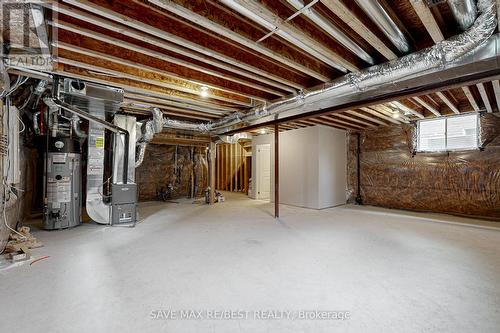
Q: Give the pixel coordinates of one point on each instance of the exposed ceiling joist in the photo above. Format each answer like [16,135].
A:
[163,84]
[179,83]
[148,52]
[341,10]
[231,35]
[361,114]
[427,105]
[484,97]
[341,122]
[263,16]
[470,97]
[427,19]
[209,108]
[166,41]
[496,89]
[352,119]
[448,102]
[404,108]
[380,115]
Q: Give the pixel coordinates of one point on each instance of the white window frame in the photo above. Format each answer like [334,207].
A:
[478,127]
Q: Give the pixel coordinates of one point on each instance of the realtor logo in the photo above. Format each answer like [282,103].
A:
[26,35]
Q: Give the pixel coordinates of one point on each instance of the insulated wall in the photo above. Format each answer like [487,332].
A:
[184,168]
[466,182]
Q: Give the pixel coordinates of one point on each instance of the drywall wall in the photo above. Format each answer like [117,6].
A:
[312,166]
[299,167]
[465,183]
[332,167]
[180,166]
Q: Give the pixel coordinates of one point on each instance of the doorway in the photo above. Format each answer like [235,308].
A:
[263,181]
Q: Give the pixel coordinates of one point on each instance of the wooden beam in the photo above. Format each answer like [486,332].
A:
[382,108]
[364,116]
[428,20]
[426,105]
[146,77]
[341,10]
[202,69]
[404,108]
[212,153]
[336,121]
[137,87]
[276,171]
[166,41]
[496,89]
[179,82]
[164,103]
[380,115]
[352,119]
[484,97]
[470,97]
[168,110]
[288,32]
[448,102]
[231,35]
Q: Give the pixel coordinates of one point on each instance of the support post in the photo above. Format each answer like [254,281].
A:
[276,171]
[212,149]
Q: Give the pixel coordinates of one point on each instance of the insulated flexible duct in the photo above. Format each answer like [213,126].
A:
[149,129]
[410,65]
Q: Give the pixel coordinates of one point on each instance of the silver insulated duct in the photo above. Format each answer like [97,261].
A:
[412,65]
[378,14]
[464,11]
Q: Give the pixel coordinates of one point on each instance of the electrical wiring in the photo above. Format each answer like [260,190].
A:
[7,189]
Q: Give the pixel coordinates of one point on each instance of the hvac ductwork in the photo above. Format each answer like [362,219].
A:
[405,67]
[464,11]
[332,30]
[149,129]
[380,16]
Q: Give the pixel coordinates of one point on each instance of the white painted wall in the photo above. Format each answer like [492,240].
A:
[313,166]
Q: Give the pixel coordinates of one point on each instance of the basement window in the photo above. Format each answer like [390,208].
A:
[448,134]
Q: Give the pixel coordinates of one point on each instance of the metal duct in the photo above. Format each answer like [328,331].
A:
[235,138]
[149,129]
[464,11]
[378,14]
[75,121]
[269,20]
[332,31]
[352,84]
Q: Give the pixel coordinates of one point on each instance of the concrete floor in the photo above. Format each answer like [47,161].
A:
[393,273]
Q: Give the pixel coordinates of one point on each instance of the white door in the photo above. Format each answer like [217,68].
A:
[264,172]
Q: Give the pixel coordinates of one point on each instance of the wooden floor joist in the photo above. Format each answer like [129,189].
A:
[166,41]
[484,97]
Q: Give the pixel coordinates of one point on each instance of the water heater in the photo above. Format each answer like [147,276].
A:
[63,184]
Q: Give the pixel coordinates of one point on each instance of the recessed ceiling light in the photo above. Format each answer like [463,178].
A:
[204,91]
